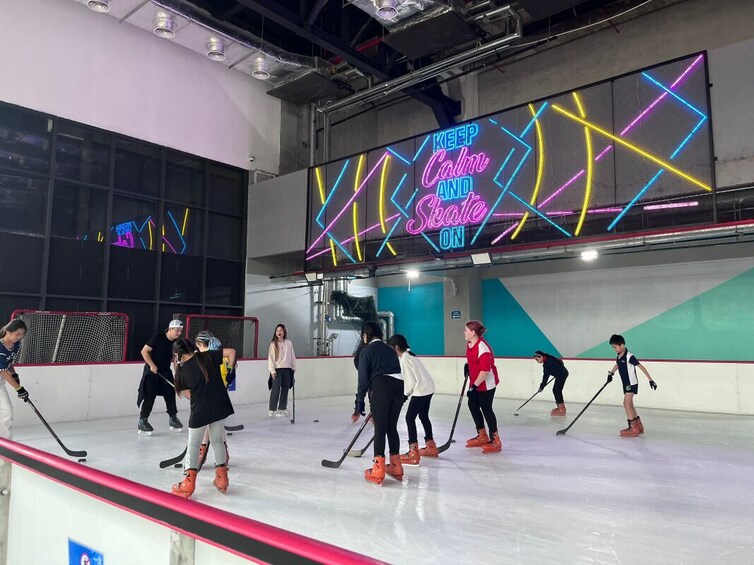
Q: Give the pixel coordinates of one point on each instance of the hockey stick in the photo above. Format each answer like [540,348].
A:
[293,389]
[336,464]
[80,454]
[173,461]
[446,445]
[164,378]
[532,396]
[564,430]
[360,452]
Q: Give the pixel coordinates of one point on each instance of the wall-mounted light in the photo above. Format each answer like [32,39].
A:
[412,274]
[100,6]
[163,25]
[260,70]
[215,49]
[589,255]
[311,277]
[481,258]
[386,9]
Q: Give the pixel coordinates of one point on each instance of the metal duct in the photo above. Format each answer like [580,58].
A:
[390,12]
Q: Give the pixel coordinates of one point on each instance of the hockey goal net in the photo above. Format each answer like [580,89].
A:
[239,332]
[72,337]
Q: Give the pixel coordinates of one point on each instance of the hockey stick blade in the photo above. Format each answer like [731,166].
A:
[237,428]
[173,461]
[446,445]
[335,464]
[564,430]
[71,452]
[360,452]
[532,396]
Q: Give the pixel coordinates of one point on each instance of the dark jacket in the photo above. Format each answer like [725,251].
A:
[375,359]
[553,366]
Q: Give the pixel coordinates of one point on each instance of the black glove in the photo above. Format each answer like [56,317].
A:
[359,407]
[269,383]
[472,391]
[609,377]
[231,376]
[466,372]
[542,387]
[653,385]
[405,398]
[16,378]
[23,394]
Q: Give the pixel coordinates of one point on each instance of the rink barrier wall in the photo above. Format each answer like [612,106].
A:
[91,392]
[53,500]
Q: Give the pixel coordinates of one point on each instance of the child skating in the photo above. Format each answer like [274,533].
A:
[626,364]
[553,366]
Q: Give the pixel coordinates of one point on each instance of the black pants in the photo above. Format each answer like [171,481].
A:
[557,389]
[480,406]
[418,406]
[386,402]
[155,386]
[280,385]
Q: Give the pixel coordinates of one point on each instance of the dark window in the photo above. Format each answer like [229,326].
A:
[75,267]
[168,311]
[82,154]
[8,304]
[182,232]
[79,212]
[181,279]
[132,273]
[225,237]
[140,327]
[23,204]
[226,190]
[137,167]
[25,138]
[18,272]
[135,224]
[225,282]
[184,179]
[72,305]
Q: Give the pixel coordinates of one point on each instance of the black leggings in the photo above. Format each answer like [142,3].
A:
[557,389]
[279,392]
[419,406]
[386,402]
[480,406]
[155,386]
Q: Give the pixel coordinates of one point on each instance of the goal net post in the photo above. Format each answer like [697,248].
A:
[72,337]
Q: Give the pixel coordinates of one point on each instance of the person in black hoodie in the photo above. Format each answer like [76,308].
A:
[380,376]
[554,366]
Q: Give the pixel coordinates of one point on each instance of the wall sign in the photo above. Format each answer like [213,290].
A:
[79,554]
[620,156]
[455,315]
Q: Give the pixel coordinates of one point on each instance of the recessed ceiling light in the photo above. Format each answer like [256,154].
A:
[260,70]
[215,49]
[100,6]
[163,25]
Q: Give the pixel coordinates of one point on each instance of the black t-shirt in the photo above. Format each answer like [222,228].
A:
[209,400]
[162,351]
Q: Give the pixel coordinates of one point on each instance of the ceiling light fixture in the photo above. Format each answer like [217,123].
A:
[412,274]
[589,255]
[481,259]
[163,25]
[215,49]
[386,9]
[260,70]
[100,6]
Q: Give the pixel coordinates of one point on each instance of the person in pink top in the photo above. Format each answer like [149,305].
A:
[281,364]
[483,381]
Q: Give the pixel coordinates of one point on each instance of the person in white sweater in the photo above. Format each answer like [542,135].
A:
[418,385]
[281,363]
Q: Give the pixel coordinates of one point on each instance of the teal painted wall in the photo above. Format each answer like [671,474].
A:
[418,315]
[510,330]
[717,325]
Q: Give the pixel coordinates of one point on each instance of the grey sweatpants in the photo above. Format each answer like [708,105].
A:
[216,439]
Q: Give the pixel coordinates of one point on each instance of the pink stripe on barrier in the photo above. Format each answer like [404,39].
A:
[269,535]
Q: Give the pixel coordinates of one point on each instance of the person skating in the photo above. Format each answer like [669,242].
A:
[553,366]
[281,364]
[483,381]
[157,355]
[419,387]
[198,378]
[626,364]
[11,335]
[380,376]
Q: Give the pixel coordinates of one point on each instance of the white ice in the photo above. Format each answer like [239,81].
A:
[681,493]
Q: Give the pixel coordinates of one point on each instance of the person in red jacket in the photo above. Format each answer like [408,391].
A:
[483,380]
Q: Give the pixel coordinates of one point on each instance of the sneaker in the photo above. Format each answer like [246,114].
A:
[285,412]
[144,427]
[175,424]
[279,414]
[270,413]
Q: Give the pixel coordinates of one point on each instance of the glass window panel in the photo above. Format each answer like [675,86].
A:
[24,139]
[225,282]
[132,273]
[181,279]
[182,230]
[135,224]
[23,204]
[225,237]
[79,212]
[82,154]
[73,305]
[137,167]
[169,311]
[21,264]
[140,325]
[226,189]
[9,304]
[184,179]
[75,267]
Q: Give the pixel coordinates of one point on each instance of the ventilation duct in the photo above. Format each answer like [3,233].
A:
[390,12]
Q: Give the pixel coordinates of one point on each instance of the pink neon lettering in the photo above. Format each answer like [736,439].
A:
[432,215]
[439,168]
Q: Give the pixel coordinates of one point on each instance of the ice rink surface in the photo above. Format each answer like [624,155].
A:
[682,493]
